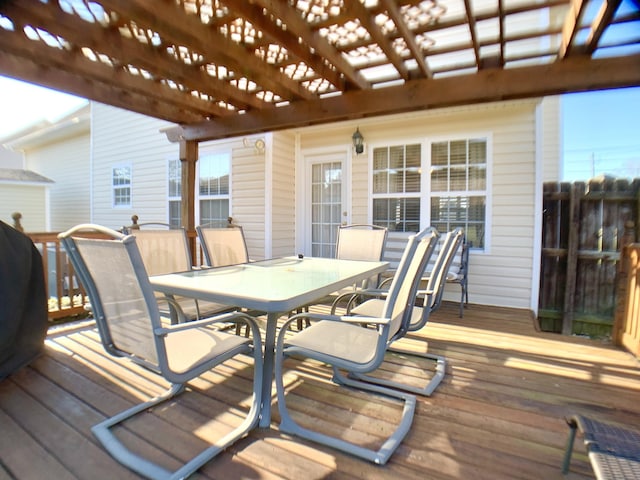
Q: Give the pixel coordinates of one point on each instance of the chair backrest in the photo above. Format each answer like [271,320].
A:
[122,299]
[450,248]
[360,242]
[163,251]
[223,246]
[404,287]
[456,261]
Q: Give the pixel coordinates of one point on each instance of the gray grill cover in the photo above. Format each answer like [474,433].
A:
[23,301]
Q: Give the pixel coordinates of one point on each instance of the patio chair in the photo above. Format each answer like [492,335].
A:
[430,297]
[128,320]
[457,271]
[614,451]
[361,242]
[343,343]
[223,246]
[165,249]
[354,242]
[427,301]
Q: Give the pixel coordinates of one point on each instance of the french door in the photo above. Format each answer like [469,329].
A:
[326,202]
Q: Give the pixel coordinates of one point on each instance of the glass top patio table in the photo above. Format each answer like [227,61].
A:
[275,286]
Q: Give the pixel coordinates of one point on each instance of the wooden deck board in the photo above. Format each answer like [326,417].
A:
[499,413]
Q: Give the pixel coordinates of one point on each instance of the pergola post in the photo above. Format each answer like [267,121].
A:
[188,159]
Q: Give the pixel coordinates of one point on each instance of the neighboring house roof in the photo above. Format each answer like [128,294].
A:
[14,175]
[44,131]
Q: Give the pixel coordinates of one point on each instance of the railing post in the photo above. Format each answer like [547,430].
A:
[622,287]
[16,216]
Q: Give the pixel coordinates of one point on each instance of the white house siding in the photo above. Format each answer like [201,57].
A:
[122,137]
[248,191]
[283,204]
[66,162]
[29,200]
[502,274]
[264,198]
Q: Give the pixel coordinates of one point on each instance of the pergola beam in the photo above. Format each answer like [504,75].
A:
[571,75]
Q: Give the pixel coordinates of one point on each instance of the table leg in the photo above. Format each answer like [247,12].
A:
[267,372]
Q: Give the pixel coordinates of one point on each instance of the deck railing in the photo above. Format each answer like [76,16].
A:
[626,330]
[65,294]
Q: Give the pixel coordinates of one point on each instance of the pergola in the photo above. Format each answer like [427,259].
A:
[225,68]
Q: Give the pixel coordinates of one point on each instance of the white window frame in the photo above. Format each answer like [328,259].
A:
[204,152]
[114,187]
[170,197]
[486,193]
[419,195]
[425,193]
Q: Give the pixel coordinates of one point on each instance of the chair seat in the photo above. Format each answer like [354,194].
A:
[188,348]
[191,309]
[375,307]
[345,341]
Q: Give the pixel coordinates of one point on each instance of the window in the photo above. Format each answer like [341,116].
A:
[175,192]
[458,194]
[121,186]
[214,195]
[459,187]
[396,187]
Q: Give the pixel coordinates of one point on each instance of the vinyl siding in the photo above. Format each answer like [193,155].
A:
[502,274]
[248,171]
[67,162]
[264,199]
[29,200]
[283,201]
[125,138]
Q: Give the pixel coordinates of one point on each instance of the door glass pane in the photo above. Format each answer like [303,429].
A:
[326,207]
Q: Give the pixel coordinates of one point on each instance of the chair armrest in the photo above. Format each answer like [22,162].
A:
[175,306]
[339,318]
[367,292]
[225,317]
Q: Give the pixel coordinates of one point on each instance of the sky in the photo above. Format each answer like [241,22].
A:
[600,130]
[24,104]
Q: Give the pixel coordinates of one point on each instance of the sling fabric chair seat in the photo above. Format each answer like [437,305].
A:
[128,320]
[419,315]
[614,451]
[342,343]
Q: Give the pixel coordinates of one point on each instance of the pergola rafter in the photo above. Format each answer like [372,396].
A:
[220,68]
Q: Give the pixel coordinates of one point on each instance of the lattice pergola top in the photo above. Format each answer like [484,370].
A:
[224,68]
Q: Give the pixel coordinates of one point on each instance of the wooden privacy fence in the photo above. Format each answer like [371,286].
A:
[585,228]
[626,329]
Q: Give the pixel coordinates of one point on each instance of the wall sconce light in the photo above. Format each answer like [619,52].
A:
[358,141]
[258,144]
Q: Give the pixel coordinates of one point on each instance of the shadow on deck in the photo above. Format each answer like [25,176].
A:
[499,412]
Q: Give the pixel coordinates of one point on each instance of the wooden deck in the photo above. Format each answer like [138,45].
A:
[498,414]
